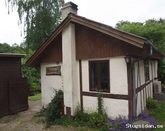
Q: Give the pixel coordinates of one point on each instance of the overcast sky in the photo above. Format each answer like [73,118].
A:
[106,11]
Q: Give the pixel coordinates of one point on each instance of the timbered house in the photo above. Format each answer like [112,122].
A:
[85,58]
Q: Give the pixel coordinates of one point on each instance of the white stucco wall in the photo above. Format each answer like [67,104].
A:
[156,68]
[142,76]
[90,104]
[71,70]
[118,76]
[116,107]
[136,81]
[113,107]
[85,75]
[50,83]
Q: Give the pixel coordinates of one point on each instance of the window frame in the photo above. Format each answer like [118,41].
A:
[98,88]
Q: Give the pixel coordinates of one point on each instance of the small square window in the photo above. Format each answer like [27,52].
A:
[99,76]
[55,70]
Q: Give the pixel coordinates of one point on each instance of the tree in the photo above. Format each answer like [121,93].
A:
[39,18]
[154,30]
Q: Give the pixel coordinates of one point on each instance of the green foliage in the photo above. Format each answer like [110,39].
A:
[32,75]
[159,112]
[52,112]
[94,120]
[151,103]
[39,18]
[35,97]
[80,115]
[100,104]
[152,29]
[53,115]
[6,48]
[161,71]
[97,120]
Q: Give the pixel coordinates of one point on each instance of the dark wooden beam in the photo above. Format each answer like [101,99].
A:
[143,86]
[81,96]
[130,90]
[105,95]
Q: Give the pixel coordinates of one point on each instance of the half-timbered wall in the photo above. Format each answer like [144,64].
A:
[144,89]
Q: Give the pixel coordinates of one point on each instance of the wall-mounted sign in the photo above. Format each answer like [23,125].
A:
[54,70]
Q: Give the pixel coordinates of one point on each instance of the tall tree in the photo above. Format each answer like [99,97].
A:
[39,18]
[154,30]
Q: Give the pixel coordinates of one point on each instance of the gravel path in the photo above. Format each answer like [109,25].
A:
[25,121]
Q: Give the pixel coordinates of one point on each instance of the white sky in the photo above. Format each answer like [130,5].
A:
[106,11]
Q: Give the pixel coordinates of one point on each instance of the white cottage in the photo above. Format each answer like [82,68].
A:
[83,58]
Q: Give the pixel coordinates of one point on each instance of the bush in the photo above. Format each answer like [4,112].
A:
[81,116]
[52,113]
[151,103]
[100,104]
[97,120]
[94,120]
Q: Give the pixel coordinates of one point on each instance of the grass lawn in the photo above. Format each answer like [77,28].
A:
[35,97]
[159,114]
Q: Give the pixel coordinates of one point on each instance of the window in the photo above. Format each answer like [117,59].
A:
[99,75]
[55,70]
[146,70]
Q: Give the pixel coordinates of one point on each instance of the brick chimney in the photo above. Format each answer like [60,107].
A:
[67,8]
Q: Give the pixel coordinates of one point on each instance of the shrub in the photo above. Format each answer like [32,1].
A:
[100,104]
[94,120]
[151,103]
[53,112]
[97,120]
[80,115]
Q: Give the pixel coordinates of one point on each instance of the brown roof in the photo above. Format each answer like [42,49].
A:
[105,29]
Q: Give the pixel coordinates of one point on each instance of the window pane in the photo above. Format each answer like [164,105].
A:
[99,75]
[104,76]
[94,75]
